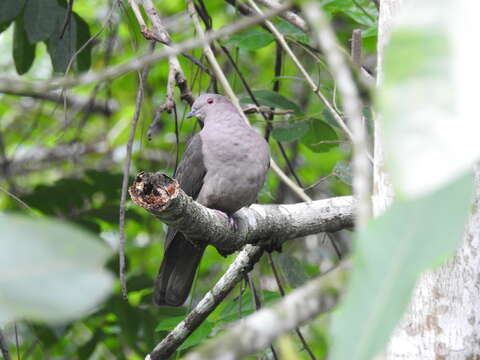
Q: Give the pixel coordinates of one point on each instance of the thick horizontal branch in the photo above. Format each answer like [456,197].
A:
[242,264]
[263,225]
[260,329]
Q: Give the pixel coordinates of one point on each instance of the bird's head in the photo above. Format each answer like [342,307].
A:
[207,104]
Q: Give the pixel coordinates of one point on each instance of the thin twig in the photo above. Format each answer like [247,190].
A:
[352,105]
[356,47]
[306,75]
[244,262]
[289,16]
[126,171]
[68,17]
[139,62]
[282,293]
[257,303]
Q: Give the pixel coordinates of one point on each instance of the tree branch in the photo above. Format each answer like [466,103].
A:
[258,330]
[243,264]
[263,225]
[76,102]
[352,106]
[17,84]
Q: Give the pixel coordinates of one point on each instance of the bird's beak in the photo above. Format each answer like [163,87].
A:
[191,113]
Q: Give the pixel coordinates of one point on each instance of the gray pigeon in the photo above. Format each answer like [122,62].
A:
[223,168]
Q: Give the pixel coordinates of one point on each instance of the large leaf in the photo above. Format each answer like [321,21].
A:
[23,50]
[49,270]
[321,137]
[390,254]
[40,19]
[62,48]
[274,100]
[429,99]
[84,58]
[10,9]
[362,11]
[289,131]
[251,39]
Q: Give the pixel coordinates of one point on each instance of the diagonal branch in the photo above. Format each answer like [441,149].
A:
[258,330]
[263,225]
[242,264]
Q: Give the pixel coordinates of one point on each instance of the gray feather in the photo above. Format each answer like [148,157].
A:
[223,167]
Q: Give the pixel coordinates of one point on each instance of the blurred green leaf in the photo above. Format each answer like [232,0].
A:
[290,30]
[84,58]
[23,51]
[289,131]
[62,48]
[343,171]
[319,136]
[390,255]
[273,99]
[362,11]
[169,323]
[251,39]
[49,270]
[200,334]
[4,26]
[10,9]
[40,19]
[291,269]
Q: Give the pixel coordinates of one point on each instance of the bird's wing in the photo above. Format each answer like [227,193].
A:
[190,174]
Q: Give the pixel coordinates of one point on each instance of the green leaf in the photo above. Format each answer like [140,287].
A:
[4,26]
[10,9]
[200,334]
[23,51]
[292,269]
[289,131]
[291,31]
[49,270]
[343,171]
[363,12]
[274,100]
[391,253]
[251,39]
[84,58]
[318,133]
[40,19]
[169,323]
[61,49]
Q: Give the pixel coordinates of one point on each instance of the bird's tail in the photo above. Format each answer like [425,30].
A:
[177,271]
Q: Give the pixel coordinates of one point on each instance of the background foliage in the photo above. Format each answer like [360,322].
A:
[65,163]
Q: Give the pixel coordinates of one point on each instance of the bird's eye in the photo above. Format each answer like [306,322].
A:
[210,101]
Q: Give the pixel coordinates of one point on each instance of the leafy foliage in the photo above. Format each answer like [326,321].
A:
[82,185]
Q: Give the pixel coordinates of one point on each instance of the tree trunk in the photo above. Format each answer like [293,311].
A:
[443,318]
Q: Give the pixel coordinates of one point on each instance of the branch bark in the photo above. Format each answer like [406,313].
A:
[258,330]
[263,225]
[243,263]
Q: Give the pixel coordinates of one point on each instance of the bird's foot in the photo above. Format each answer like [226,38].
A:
[231,220]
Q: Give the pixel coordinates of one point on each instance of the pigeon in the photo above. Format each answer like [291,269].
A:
[223,168]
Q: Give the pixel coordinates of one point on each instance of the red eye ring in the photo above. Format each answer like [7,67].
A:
[210,101]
